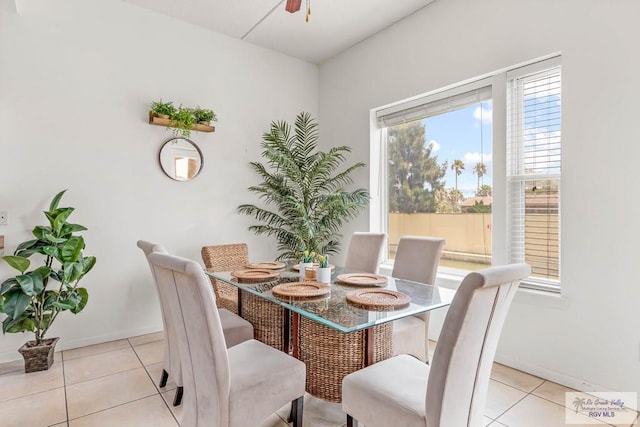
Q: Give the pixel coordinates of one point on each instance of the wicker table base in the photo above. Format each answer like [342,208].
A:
[331,355]
[267,319]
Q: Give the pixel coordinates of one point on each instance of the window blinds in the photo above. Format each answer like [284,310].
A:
[533,171]
[430,106]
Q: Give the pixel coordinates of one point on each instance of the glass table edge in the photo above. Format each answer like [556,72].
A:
[329,323]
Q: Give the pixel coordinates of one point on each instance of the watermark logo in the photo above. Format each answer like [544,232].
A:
[599,407]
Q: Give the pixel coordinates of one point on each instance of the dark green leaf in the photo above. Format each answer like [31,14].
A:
[72,271]
[40,231]
[64,305]
[52,251]
[26,282]
[23,324]
[26,245]
[70,251]
[68,229]
[61,219]
[19,263]
[84,298]
[56,200]
[15,303]
[7,285]
[88,263]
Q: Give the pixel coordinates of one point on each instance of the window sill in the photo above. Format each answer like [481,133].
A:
[452,279]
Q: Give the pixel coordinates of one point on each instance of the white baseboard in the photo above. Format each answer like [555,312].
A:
[10,356]
[548,374]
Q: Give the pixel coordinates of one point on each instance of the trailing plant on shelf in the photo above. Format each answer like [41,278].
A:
[162,109]
[33,299]
[182,121]
[305,190]
[204,116]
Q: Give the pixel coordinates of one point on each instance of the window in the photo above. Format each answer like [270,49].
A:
[439,174]
[533,171]
[436,174]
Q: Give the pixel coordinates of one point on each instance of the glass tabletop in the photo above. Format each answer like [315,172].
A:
[335,311]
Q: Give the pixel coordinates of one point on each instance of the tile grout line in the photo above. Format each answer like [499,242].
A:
[104,376]
[159,393]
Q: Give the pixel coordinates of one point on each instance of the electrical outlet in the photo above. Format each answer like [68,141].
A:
[4,218]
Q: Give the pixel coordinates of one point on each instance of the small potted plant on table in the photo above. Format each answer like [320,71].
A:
[306,263]
[323,273]
[33,299]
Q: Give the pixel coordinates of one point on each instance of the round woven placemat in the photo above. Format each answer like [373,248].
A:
[362,279]
[378,298]
[253,275]
[301,289]
[267,265]
[296,267]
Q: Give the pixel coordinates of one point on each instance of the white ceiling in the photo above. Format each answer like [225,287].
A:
[334,26]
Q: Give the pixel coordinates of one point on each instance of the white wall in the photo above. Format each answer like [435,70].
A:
[76,81]
[590,338]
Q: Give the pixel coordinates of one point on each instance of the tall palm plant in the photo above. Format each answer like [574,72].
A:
[304,190]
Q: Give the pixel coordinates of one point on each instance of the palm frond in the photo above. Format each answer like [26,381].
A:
[305,204]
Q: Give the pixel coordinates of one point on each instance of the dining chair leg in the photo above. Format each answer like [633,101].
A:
[177,400]
[165,377]
[296,411]
[351,422]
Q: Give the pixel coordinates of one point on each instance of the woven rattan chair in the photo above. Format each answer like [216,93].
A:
[236,387]
[416,260]
[452,391]
[266,317]
[365,252]
[235,329]
[225,258]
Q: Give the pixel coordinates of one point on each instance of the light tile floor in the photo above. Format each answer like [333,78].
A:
[115,384]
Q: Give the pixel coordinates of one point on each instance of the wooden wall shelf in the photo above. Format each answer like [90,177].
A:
[158,121]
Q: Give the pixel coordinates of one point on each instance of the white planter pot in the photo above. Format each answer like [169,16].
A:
[324,275]
[303,267]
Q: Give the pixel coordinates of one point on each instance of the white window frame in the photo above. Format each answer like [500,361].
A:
[377,182]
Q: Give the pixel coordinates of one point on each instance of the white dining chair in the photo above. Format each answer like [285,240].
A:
[236,387]
[365,252]
[417,260]
[236,329]
[452,391]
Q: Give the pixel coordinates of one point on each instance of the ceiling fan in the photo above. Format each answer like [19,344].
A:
[294,5]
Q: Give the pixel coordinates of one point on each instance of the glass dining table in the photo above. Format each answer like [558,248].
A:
[332,335]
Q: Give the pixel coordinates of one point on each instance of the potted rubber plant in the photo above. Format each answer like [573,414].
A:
[33,299]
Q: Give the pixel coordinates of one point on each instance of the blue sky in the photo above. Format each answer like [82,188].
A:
[456,135]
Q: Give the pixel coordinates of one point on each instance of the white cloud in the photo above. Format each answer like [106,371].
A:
[484,114]
[470,159]
[435,146]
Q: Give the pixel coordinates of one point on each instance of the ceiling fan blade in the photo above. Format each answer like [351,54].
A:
[293,6]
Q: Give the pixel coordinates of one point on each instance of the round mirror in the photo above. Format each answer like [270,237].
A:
[181,159]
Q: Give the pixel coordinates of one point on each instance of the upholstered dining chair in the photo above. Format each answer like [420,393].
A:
[235,387]
[451,392]
[416,260]
[365,252]
[225,258]
[236,329]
